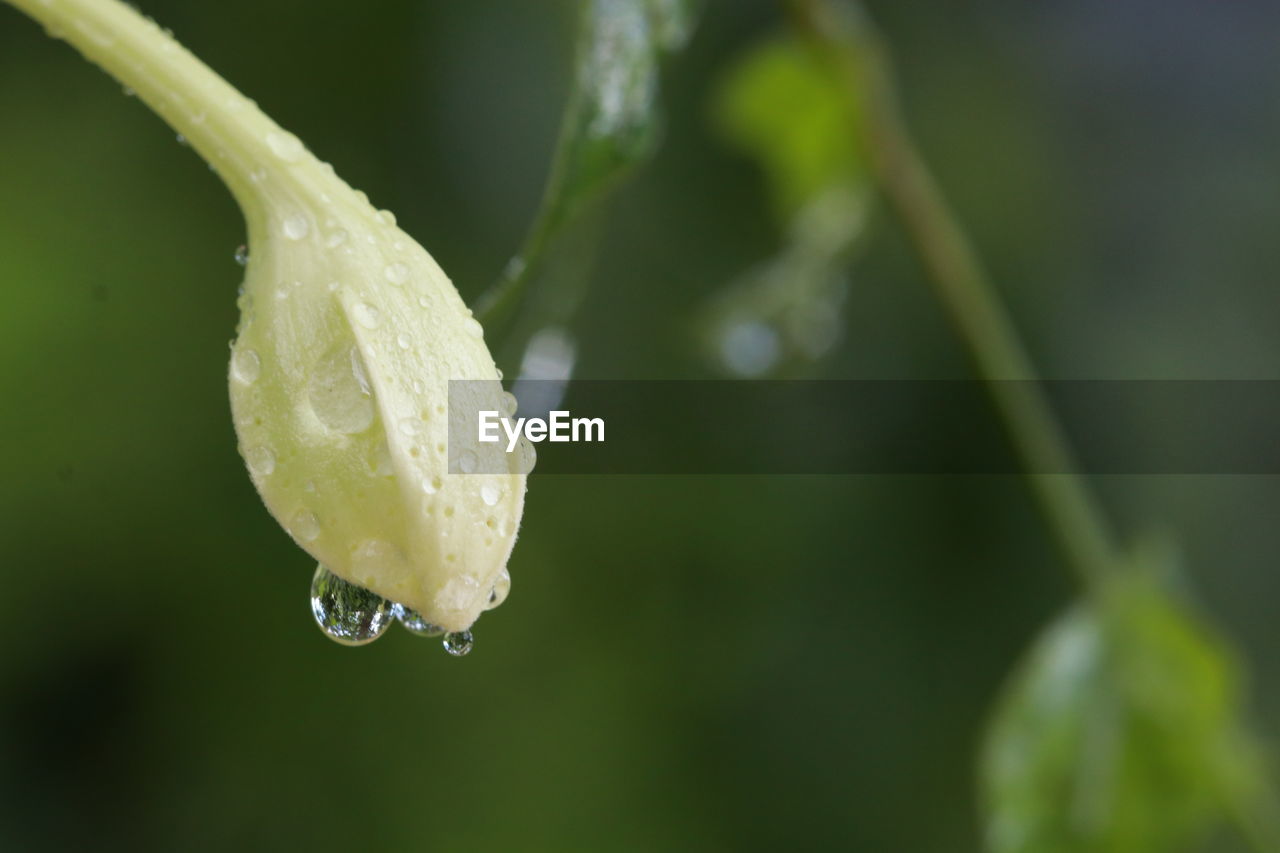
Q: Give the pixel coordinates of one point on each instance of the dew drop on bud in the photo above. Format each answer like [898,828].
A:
[286,146]
[246,367]
[339,393]
[458,643]
[242,255]
[414,623]
[348,614]
[261,460]
[397,273]
[296,227]
[501,589]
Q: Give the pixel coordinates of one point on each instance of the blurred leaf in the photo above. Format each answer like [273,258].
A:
[784,106]
[610,125]
[1121,732]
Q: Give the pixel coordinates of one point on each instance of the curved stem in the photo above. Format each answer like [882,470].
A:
[962,286]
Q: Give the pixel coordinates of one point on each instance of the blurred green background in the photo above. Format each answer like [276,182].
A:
[685,663]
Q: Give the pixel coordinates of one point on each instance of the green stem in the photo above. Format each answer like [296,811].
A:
[964,289]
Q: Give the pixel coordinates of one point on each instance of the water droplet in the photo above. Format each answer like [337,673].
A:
[386,217]
[424,302]
[473,327]
[296,227]
[286,146]
[397,273]
[431,485]
[242,254]
[490,493]
[128,92]
[305,526]
[410,426]
[246,366]
[336,238]
[418,387]
[412,620]
[459,643]
[182,140]
[348,614]
[366,315]
[258,175]
[261,460]
[339,391]
[467,461]
[509,404]
[501,589]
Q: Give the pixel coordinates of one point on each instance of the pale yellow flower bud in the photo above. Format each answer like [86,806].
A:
[349,336]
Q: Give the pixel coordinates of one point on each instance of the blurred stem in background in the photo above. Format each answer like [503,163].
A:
[1124,728]
[854,49]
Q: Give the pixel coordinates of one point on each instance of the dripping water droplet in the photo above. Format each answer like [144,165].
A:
[501,589]
[412,621]
[348,614]
[458,643]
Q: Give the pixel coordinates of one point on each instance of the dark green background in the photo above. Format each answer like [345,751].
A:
[684,663]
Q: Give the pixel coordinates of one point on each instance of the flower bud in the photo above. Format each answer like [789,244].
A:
[348,338]
[349,335]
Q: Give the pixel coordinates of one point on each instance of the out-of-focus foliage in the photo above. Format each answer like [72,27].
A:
[783,105]
[1121,732]
[611,124]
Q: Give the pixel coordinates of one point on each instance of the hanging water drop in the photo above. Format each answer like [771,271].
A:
[501,589]
[414,623]
[458,643]
[348,614]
